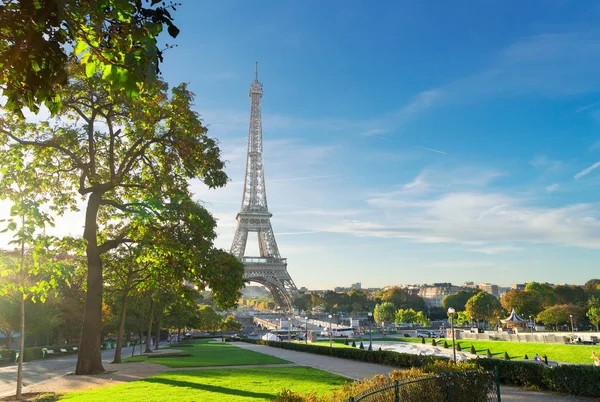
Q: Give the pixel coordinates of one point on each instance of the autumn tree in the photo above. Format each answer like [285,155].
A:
[116,37]
[127,158]
[524,302]
[592,288]
[458,299]
[384,312]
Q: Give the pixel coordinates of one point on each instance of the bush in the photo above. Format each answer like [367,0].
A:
[388,358]
[506,356]
[458,347]
[446,344]
[353,344]
[526,357]
[346,341]
[580,380]
[361,346]
[433,342]
[473,351]
[423,340]
[489,354]
[468,384]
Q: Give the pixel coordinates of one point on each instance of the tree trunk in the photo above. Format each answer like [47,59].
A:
[21,349]
[123,313]
[89,360]
[157,335]
[149,336]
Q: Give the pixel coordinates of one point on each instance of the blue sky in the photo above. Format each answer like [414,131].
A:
[408,142]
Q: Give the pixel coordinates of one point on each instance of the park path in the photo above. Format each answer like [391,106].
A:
[46,371]
[359,370]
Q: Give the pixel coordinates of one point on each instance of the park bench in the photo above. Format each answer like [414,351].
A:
[47,352]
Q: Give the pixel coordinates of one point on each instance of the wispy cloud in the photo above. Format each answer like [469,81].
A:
[586,171]
[552,187]
[595,145]
[431,149]
[496,249]
[544,162]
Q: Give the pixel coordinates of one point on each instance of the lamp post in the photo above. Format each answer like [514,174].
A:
[370,336]
[330,340]
[306,329]
[572,328]
[289,325]
[498,323]
[531,324]
[451,311]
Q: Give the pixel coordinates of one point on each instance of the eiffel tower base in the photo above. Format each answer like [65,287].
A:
[272,274]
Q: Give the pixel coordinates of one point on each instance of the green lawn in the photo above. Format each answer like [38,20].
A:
[206,354]
[260,384]
[517,350]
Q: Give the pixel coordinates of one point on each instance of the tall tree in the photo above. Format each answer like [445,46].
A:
[401,298]
[128,158]
[524,302]
[384,312]
[544,291]
[458,299]
[38,38]
[483,306]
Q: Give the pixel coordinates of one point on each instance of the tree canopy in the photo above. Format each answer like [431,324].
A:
[39,38]
[458,299]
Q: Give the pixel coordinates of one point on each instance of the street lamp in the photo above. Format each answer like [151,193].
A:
[370,336]
[451,311]
[572,329]
[531,324]
[330,340]
[289,325]
[306,328]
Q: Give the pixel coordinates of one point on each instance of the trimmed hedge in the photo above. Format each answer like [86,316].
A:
[35,353]
[581,380]
[385,357]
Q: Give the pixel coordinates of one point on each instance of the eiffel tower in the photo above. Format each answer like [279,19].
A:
[269,269]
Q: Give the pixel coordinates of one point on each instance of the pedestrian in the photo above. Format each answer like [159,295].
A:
[596,359]
[536,358]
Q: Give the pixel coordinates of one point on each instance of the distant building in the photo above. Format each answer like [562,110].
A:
[518,286]
[250,292]
[356,286]
[433,294]
[489,288]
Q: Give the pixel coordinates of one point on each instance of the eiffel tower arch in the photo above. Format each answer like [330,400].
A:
[268,269]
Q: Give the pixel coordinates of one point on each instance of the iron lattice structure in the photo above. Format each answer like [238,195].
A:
[268,269]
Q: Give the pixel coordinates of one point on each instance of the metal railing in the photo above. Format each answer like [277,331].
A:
[465,386]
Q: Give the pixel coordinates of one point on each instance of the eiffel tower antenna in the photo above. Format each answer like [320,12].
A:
[268,269]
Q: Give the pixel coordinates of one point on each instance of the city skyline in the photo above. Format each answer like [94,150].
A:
[404,143]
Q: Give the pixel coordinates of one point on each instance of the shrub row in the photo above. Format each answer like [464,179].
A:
[582,380]
[402,360]
[572,379]
[35,353]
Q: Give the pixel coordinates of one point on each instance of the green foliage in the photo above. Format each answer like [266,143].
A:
[209,319]
[230,324]
[361,346]
[559,314]
[458,299]
[473,351]
[483,306]
[401,298]
[423,340]
[506,356]
[446,344]
[353,344]
[593,314]
[117,38]
[388,358]
[346,341]
[433,342]
[526,357]
[458,347]
[384,312]
[489,354]
[405,316]
[544,291]
[581,380]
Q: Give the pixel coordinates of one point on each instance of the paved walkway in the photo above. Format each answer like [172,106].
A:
[359,370]
[41,371]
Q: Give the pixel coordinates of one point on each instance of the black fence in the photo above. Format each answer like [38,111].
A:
[466,386]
